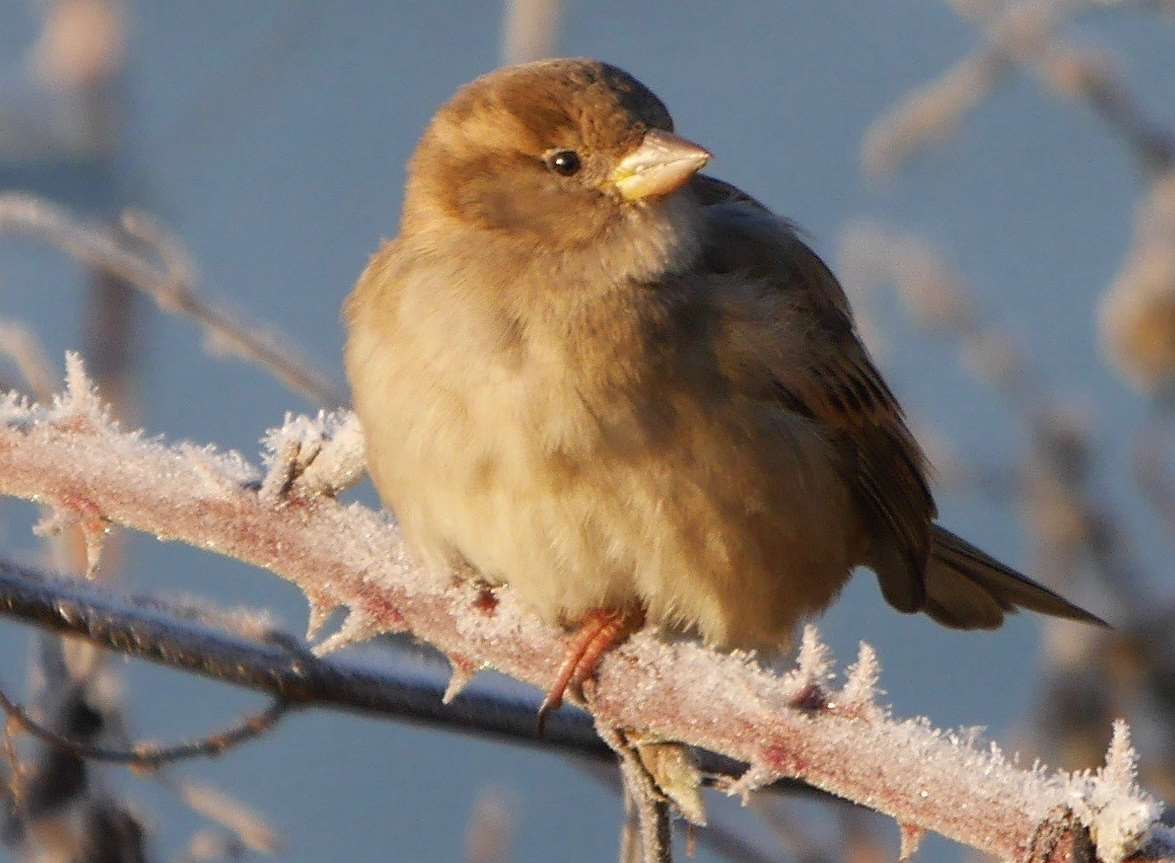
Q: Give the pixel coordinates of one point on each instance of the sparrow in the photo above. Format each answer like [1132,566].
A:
[632,392]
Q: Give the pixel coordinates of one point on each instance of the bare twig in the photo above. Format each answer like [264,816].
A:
[169,284]
[172,636]
[247,827]
[722,840]
[1023,35]
[23,348]
[645,807]
[150,755]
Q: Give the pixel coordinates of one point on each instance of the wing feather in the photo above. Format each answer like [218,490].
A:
[834,382]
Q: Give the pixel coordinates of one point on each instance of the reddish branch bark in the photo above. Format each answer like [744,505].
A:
[796,725]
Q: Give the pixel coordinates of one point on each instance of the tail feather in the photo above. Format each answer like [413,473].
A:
[968,589]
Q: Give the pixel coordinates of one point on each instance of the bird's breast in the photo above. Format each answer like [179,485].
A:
[591,460]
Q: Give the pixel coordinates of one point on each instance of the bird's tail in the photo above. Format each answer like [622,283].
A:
[967,589]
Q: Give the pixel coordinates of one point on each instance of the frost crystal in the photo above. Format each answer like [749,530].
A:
[315,456]
[13,408]
[814,660]
[80,399]
[94,535]
[1121,760]
[93,526]
[219,472]
[1117,812]
[343,457]
[860,690]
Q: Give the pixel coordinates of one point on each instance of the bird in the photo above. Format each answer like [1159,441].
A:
[631,392]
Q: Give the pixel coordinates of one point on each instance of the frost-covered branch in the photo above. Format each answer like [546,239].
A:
[71,457]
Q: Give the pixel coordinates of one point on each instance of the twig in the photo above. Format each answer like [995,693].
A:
[150,755]
[348,555]
[1018,35]
[23,348]
[1068,71]
[170,285]
[529,29]
[644,805]
[169,635]
[154,631]
[722,840]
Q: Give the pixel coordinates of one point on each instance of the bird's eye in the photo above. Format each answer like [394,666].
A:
[565,162]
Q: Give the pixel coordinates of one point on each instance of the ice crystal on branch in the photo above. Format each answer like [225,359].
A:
[80,401]
[313,456]
[860,690]
[1118,814]
[814,659]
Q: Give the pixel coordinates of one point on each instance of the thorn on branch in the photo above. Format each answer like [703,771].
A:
[464,670]
[76,511]
[358,626]
[321,608]
[912,837]
[754,777]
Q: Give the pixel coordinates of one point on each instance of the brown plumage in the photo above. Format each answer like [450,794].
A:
[590,372]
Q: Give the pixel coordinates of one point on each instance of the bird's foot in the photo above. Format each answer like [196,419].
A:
[598,632]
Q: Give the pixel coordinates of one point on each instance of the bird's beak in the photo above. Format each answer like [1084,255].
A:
[663,163]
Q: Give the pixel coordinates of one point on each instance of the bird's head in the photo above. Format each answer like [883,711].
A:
[558,152]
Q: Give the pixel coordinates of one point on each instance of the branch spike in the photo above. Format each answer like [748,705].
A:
[912,837]
[464,670]
[754,777]
[359,626]
[95,532]
[321,609]
[87,518]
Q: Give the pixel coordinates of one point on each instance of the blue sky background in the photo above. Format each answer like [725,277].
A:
[271,137]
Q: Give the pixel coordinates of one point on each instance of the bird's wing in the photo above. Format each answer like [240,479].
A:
[827,377]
